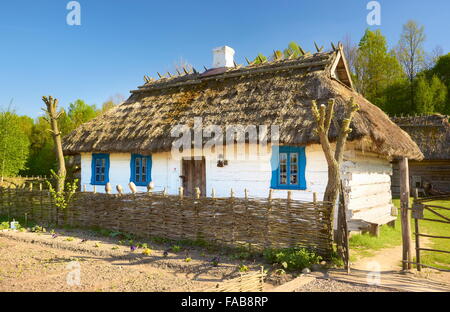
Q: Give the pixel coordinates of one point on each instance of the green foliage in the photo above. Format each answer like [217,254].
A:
[80,112]
[292,259]
[243,268]
[176,248]
[376,68]
[442,71]
[14,143]
[260,58]
[293,49]
[62,198]
[430,95]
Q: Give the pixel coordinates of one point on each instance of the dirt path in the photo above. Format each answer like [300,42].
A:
[385,260]
[384,269]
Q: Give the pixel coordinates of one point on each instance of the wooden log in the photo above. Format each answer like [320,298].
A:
[405,213]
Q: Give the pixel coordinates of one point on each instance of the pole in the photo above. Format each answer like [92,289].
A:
[405,213]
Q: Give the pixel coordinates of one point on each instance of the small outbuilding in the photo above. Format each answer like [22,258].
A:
[135,142]
[432,134]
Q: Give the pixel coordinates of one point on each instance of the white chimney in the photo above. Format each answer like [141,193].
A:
[223,57]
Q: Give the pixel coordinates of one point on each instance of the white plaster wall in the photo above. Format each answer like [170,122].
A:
[240,174]
[366,178]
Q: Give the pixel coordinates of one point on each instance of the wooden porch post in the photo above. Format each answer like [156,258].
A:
[405,213]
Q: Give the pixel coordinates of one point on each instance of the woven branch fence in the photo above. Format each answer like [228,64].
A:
[250,222]
[246,282]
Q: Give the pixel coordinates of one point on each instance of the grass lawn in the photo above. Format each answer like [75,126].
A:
[439,260]
[365,245]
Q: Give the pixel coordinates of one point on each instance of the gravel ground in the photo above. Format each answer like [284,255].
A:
[30,267]
[39,262]
[327,285]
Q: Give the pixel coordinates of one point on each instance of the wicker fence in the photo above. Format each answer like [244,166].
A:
[254,223]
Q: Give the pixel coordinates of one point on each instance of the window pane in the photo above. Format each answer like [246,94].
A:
[283,168]
[294,168]
[294,180]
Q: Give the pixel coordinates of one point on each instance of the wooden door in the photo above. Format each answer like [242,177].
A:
[194,175]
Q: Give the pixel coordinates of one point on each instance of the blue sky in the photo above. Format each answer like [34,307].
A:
[119,41]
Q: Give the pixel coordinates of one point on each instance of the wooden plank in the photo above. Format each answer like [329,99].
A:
[405,213]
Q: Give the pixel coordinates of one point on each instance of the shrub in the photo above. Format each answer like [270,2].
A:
[292,259]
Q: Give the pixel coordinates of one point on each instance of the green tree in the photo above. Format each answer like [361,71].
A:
[41,158]
[14,144]
[397,98]
[442,71]
[411,53]
[79,112]
[376,68]
[430,95]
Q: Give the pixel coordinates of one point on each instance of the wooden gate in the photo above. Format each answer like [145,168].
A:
[418,214]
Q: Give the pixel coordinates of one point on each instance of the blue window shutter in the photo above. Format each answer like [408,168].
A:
[275,164]
[96,157]
[148,177]
[301,165]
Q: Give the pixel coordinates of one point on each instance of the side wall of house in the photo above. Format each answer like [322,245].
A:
[367,184]
[437,173]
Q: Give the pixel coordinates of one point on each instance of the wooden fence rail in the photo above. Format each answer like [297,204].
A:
[249,222]
[419,207]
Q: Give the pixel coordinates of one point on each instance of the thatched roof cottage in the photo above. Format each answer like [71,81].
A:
[133,141]
[432,135]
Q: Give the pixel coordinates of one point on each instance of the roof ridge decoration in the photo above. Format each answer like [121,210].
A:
[276,59]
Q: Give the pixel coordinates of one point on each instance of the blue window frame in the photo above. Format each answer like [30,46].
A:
[100,169]
[141,169]
[288,168]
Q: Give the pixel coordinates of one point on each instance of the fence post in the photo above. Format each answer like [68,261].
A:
[9,203]
[233,231]
[289,217]
[417,233]
[197,192]
[248,220]
[41,208]
[181,192]
[406,225]
[269,212]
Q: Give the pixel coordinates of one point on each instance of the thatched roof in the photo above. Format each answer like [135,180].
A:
[275,93]
[431,133]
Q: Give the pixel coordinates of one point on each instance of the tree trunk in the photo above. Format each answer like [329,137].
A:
[52,105]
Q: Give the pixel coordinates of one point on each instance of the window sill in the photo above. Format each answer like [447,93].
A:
[286,188]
